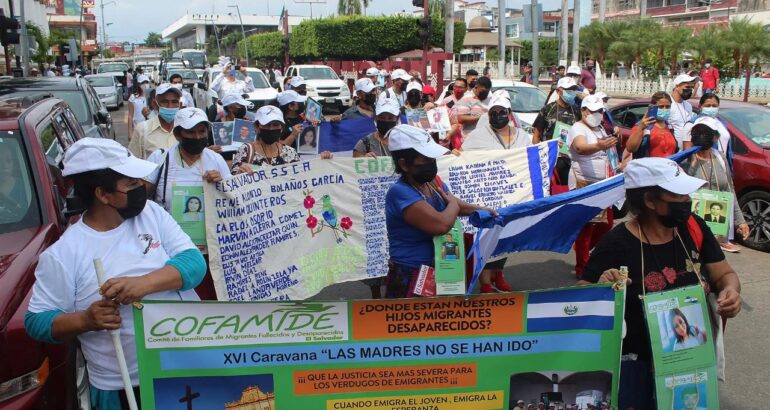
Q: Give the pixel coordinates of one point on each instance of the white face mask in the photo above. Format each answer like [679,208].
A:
[707,65]
[145,87]
[594,120]
[178,86]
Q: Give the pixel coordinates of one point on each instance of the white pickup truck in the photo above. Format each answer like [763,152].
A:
[323,85]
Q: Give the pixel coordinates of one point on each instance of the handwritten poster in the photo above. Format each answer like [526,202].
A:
[287,232]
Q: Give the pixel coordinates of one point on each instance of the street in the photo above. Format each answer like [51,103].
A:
[748,360]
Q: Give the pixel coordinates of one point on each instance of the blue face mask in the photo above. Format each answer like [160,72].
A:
[568,96]
[167,113]
[710,111]
[664,114]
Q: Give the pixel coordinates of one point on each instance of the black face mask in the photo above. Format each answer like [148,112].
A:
[413,98]
[240,112]
[193,146]
[687,93]
[269,136]
[384,126]
[301,91]
[426,172]
[472,84]
[483,95]
[300,108]
[135,202]
[498,120]
[678,214]
[402,87]
[370,99]
[703,140]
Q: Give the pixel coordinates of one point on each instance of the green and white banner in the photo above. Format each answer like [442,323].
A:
[450,353]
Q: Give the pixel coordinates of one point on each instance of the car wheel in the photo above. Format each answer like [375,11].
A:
[82,387]
[756,209]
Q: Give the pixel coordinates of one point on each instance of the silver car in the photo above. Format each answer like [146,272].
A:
[108,88]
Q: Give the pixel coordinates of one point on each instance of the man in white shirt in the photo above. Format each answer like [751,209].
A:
[227,82]
[681,110]
[177,81]
[400,79]
[156,133]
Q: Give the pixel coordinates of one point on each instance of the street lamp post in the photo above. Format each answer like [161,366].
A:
[104,27]
[243,33]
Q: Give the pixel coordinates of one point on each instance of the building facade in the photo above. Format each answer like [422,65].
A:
[253,398]
[695,14]
[195,30]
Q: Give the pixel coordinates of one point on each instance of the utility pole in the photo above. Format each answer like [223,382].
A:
[535,45]
[564,27]
[602,8]
[501,38]
[449,27]
[576,33]
[643,9]
[243,33]
[24,43]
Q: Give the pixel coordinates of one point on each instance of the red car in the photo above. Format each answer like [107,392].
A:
[749,126]
[34,132]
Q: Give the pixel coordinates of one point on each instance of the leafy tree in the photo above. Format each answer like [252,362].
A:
[678,40]
[349,7]
[153,40]
[596,38]
[747,40]
[41,51]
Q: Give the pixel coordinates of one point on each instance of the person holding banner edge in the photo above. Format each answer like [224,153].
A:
[145,255]
[418,207]
[664,247]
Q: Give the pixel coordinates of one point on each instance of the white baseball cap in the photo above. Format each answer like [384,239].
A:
[400,75]
[405,136]
[234,98]
[662,172]
[364,84]
[372,72]
[567,83]
[142,79]
[602,95]
[290,96]
[593,103]
[268,114]
[166,87]
[684,78]
[414,85]
[710,122]
[91,154]
[296,81]
[390,105]
[573,69]
[189,117]
[500,101]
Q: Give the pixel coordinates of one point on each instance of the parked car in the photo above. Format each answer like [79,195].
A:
[323,85]
[749,127]
[263,94]
[526,101]
[77,92]
[114,68]
[109,90]
[34,133]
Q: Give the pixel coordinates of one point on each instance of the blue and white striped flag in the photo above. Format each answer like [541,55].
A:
[590,308]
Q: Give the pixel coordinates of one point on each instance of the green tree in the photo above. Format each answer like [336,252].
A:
[596,38]
[633,42]
[747,40]
[350,7]
[41,51]
[677,41]
[153,40]
[708,43]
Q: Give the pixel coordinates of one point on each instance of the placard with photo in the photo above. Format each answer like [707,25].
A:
[243,132]
[223,135]
[438,118]
[307,141]
[313,111]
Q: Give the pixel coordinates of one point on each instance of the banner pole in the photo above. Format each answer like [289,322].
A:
[129,389]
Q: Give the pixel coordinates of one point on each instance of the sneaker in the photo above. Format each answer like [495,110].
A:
[487,288]
[730,247]
[500,282]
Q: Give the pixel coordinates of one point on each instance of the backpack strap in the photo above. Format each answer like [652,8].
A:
[164,172]
[696,233]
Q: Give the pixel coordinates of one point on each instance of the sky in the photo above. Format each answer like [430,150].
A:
[133,19]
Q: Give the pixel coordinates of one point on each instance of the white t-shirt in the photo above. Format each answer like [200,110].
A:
[591,168]
[724,136]
[485,138]
[179,171]
[66,281]
[681,113]
[187,99]
[139,104]
[223,87]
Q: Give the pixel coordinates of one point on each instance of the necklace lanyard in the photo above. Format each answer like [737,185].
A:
[696,267]
[711,174]
[433,190]
[500,139]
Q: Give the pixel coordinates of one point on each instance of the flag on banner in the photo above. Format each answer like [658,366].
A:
[571,309]
[280,19]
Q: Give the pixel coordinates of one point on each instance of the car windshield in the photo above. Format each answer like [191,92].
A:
[196,59]
[525,99]
[317,73]
[186,74]
[753,122]
[259,79]
[18,199]
[101,81]
[112,68]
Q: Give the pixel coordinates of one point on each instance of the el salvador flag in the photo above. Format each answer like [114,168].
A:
[590,308]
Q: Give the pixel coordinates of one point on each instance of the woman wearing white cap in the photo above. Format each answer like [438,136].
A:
[418,207]
[664,247]
[145,256]
[234,107]
[711,165]
[293,108]
[376,143]
[591,151]
[137,101]
[366,97]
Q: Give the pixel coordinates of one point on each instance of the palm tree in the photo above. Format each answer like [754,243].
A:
[350,7]
[634,40]
[708,43]
[747,40]
[677,40]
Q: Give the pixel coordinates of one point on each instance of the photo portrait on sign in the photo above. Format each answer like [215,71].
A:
[307,143]
[243,131]
[313,111]
[450,250]
[580,388]
[681,328]
[193,209]
[439,119]
[716,212]
[236,392]
[690,397]
[223,133]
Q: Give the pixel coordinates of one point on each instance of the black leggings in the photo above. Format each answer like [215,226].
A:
[124,399]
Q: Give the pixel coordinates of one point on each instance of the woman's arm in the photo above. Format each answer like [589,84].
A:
[130,117]
[424,217]
[726,281]
[101,315]
[584,148]
[637,134]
